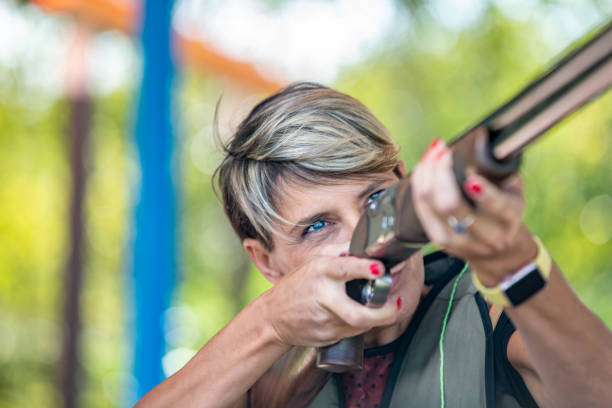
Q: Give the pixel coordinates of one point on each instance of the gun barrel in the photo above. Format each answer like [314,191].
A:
[576,79]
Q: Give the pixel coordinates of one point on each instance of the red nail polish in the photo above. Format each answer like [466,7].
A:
[440,154]
[473,186]
[398,302]
[374,269]
[431,146]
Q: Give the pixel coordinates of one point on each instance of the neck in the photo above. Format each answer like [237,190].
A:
[379,336]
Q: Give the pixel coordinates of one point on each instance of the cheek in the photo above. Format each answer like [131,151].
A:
[334,250]
[416,264]
[412,286]
[291,258]
[334,243]
[411,296]
[297,256]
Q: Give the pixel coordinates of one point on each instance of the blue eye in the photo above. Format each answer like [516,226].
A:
[374,196]
[317,225]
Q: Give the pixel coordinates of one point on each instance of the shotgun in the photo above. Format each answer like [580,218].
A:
[390,230]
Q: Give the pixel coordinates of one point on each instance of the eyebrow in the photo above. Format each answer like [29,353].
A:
[311,219]
[375,185]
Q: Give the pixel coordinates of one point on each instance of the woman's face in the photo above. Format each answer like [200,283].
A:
[323,218]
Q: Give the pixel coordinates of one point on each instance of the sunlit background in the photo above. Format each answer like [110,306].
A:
[427,68]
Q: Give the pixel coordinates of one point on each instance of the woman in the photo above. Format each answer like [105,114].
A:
[298,174]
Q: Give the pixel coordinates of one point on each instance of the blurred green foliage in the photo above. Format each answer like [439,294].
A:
[427,81]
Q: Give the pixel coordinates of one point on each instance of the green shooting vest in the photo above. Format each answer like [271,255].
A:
[414,377]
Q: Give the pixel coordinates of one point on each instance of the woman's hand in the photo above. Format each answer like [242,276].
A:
[310,307]
[492,236]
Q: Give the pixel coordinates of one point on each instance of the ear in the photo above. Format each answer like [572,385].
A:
[262,259]
[401,169]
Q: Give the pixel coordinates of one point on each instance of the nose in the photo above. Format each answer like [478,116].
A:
[350,221]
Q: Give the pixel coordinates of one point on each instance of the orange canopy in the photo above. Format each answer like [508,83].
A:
[123,15]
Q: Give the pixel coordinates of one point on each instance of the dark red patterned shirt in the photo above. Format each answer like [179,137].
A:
[364,389]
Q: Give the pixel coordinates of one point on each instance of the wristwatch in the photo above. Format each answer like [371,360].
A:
[521,285]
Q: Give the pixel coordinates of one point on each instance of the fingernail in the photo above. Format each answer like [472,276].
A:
[375,269]
[440,154]
[432,145]
[398,302]
[473,187]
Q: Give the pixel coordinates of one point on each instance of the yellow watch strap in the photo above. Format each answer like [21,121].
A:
[496,295]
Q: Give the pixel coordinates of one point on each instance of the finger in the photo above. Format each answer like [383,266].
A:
[513,183]
[434,227]
[487,234]
[448,204]
[514,186]
[422,175]
[447,199]
[348,268]
[359,316]
[437,197]
[435,144]
[424,179]
[440,233]
[422,190]
[493,201]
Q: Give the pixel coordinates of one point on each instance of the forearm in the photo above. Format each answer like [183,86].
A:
[568,347]
[220,374]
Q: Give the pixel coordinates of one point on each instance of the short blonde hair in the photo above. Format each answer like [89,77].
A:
[307,133]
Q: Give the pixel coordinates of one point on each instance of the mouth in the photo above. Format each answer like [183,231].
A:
[396,275]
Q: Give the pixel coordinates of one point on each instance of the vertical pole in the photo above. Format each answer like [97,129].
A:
[78,133]
[153,268]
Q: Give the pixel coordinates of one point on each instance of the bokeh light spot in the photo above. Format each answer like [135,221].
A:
[596,219]
[175,359]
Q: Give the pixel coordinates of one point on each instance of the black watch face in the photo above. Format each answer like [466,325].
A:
[526,287]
